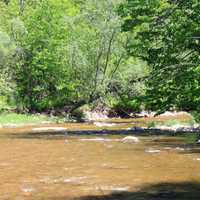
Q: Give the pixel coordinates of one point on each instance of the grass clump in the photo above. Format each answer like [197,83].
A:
[15,118]
[151,124]
[172,122]
[192,122]
[175,122]
[190,138]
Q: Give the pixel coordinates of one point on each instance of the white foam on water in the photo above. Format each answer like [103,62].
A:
[103,124]
[45,180]
[28,189]
[198,159]
[98,139]
[112,188]
[44,129]
[75,180]
[167,148]
[179,149]
[4,164]
[152,151]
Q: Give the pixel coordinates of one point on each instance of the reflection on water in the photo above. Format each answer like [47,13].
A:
[61,166]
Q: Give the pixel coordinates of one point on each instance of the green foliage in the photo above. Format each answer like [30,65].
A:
[95,47]
[196,115]
[7,49]
[190,138]
[151,124]
[41,74]
[166,35]
[96,54]
[192,121]
[66,54]
[3,103]
[62,54]
[77,115]
[172,122]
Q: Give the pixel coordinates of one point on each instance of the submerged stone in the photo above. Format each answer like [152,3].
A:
[198,142]
[131,139]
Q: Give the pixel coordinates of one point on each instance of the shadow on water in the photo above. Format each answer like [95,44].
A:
[104,132]
[168,138]
[162,191]
[60,134]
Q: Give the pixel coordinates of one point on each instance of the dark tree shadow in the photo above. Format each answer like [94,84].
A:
[162,191]
[56,134]
[169,141]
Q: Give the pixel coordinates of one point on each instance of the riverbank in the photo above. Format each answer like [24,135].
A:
[165,123]
[15,119]
[31,126]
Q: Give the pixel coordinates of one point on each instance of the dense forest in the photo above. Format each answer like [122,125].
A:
[125,55]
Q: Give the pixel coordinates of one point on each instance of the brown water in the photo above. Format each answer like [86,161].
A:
[49,166]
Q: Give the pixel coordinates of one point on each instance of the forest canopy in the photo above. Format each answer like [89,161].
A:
[166,34]
[127,55]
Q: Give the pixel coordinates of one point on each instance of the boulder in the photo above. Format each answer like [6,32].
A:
[198,141]
[130,139]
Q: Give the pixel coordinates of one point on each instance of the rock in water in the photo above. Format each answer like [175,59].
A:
[152,151]
[47,129]
[198,141]
[131,139]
